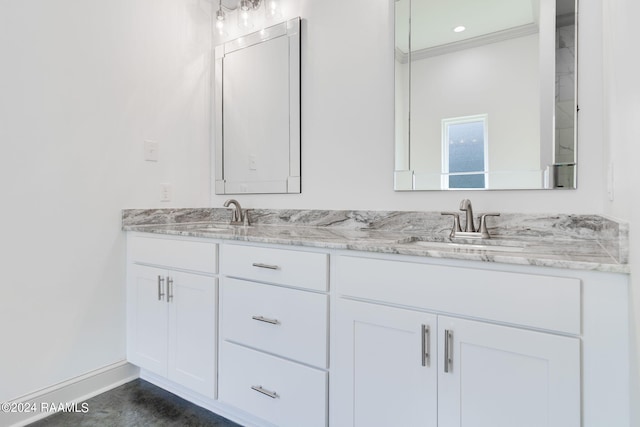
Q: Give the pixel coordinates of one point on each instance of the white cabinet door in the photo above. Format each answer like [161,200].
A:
[171,326]
[503,377]
[383,376]
[147,318]
[192,331]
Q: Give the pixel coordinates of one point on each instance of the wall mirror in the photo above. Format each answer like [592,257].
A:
[485,94]
[257,112]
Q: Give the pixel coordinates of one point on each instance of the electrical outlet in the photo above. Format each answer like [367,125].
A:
[151,151]
[610,183]
[166,192]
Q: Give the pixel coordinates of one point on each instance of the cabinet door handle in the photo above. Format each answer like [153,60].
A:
[266,320]
[160,287]
[448,350]
[169,289]
[426,345]
[268,266]
[259,389]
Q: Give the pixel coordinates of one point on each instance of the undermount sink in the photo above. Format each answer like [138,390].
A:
[217,228]
[214,229]
[469,246]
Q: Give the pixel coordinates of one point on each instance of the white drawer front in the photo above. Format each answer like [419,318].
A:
[546,302]
[300,392]
[191,255]
[286,267]
[283,321]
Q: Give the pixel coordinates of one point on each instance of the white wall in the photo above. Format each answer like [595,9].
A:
[348,124]
[82,84]
[622,68]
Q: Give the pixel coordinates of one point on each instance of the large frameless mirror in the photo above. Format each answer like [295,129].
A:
[485,94]
[257,112]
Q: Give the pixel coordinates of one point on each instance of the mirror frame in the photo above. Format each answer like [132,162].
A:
[291,30]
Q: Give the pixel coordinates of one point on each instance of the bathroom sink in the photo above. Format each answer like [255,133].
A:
[217,228]
[470,246]
[210,228]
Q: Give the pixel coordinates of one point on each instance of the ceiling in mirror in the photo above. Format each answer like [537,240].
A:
[485,94]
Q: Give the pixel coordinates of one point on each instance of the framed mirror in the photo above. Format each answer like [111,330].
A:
[485,94]
[257,112]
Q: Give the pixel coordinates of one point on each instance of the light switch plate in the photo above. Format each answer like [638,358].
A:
[150,151]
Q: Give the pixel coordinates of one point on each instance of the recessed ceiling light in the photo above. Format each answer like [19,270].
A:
[459,28]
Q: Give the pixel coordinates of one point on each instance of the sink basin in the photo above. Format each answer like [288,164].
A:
[469,246]
[213,228]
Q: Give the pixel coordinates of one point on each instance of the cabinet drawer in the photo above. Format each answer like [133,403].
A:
[298,393]
[545,302]
[286,267]
[283,321]
[175,253]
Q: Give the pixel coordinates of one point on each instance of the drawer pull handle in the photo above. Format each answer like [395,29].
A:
[448,350]
[259,389]
[266,320]
[160,287]
[268,266]
[426,345]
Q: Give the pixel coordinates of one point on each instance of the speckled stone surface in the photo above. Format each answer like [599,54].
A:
[585,242]
[137,404]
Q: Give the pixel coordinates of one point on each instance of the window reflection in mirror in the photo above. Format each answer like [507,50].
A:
[465,152]
[513,60]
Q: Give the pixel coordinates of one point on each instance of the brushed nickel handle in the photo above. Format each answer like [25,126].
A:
[267,266]
[483,224]
[160,287]
[266,320]
[259,389]
[169,289]
[426,345]
[456,223]
[448,350]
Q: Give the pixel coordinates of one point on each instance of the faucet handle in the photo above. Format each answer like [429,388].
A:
[456,222]
[483,224]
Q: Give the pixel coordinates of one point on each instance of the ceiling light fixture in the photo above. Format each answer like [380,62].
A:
[220,17]
[459,29]
[245,9]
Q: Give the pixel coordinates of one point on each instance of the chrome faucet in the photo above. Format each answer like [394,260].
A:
[465,205]
[470,231]
[238,216]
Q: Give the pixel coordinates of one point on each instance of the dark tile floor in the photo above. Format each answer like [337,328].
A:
[137,404]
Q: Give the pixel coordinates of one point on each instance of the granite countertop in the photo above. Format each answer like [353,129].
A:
[561,241]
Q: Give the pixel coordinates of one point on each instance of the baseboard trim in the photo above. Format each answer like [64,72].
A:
[215,406]
[70,392]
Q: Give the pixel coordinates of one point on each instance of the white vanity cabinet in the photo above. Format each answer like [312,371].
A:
[430,345]
[384,373]
[172,309]
[298,336]
[274,334]
[505,376]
